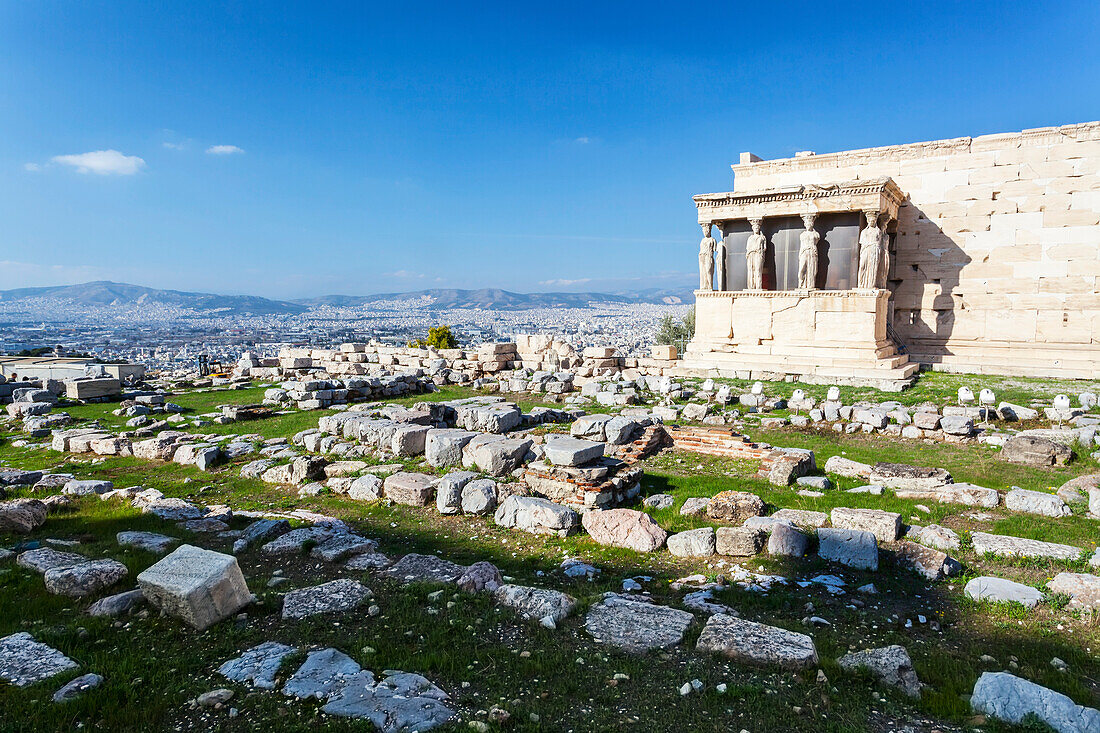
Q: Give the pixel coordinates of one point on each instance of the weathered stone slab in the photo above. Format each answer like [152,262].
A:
[172,510]
[803,518]
[566,451]
[692,543]
[967,494]
[322,675]
[24,661]
[930,563]
[753,643]
[262,530]
[934,535]
[42,559]
[85,579]
[199,587]
[77,487]
[366,488]
[117,604]
[332,597]
[636,626]
[988,588]
[891,665]
[22,516]
[342,546]
[1032,450]
[1008,546]
[1007,697]
[739,541]
[257,665]
[537,516]
[77,687]
[294,541]
[1082,588]
[148,541]
[443,446]
[885,526]
[400,702]
[787,541]
[852,547]
[903,476]
[479,497]
[413,489]
[368,561]
[448,492]
[536,604]
[415,568]
[1036,502]
[844,467]
[627,528]
[735,506]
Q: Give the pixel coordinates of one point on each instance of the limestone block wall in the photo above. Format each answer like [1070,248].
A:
[996,257]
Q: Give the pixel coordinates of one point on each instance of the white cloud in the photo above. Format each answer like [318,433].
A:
[102,162]
[224,150]
[173,146]
[32,167]
[582,140]
[564,283]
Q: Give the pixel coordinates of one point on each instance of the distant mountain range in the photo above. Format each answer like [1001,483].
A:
[102,294]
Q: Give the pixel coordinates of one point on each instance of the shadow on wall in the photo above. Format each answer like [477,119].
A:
[925,268]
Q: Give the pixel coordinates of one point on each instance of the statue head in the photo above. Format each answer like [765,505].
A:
[872,217]
[706,228]
[808,221]
[755,223]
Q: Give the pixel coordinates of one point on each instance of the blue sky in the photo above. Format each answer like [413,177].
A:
[300,149]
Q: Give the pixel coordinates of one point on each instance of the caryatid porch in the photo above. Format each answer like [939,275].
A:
[796,285]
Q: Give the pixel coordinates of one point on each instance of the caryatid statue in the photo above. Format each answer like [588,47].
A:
[807,254]
[754,257]
[720,262]
[870,253]
[706,259]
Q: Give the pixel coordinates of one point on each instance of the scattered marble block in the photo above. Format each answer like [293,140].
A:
[197,586]
[47,558]
[401,702]
[332,597]
[414,489]
[257,665]
[1036,502]
[739,541]
[892,665]
[852,547]
[415,568]
[78,687]
[535,604]
[988,588]
[535,515]
[24,661]
[1009,546]
[322,675]
[885,526]
[692,543]
[572,451]
[930,563]
[85,579]
[148,541]
[1082,588]
[1007,697]
[117,604]
[758,644]
[635,625]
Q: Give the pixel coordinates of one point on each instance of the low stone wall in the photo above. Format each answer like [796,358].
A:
[779,466]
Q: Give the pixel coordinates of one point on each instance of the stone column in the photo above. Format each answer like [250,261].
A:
[706,259]
[807,254]
[755,249]
[870,253]
[720,254]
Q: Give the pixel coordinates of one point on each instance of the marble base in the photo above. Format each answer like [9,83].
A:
[816,336]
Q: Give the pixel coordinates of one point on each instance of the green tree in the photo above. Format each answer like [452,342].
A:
[673,333]
[439,337]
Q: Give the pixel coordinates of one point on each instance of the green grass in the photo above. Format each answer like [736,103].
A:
[154,665]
